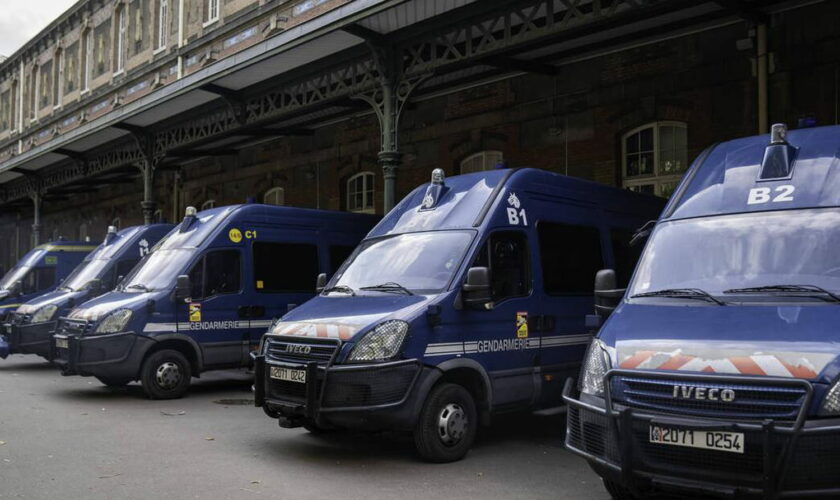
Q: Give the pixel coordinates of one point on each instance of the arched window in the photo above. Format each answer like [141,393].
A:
[207,205]
[360,193]
[654,157]
[275,196]
[479,162]
[157,217]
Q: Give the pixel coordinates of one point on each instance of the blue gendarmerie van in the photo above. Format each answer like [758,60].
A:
[718,371]
[31,327]
[39,272]
[204,296]
[467,299]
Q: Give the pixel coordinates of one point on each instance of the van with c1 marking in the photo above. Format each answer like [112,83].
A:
[719,371]
[203,297]
[467,299]
[31,327]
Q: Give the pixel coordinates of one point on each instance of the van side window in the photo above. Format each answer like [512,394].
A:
[338,254]
[570,256]
[216,273]
[285,267]
[625,256]
[38,279]
[505,253]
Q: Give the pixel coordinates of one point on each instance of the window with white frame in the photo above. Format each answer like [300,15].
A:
[481,161]
[33,93]
[122,28]
[87,58]
[207,205]
[654,157]
[212,11]
[14,106]
[275,196]
[163,23]
[360,193]
[58,77]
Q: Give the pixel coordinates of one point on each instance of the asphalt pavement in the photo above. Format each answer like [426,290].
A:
[71,437]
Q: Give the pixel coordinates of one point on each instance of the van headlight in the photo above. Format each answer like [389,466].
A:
[595,367]
[831,404]
[382,343]
[43,314]
[114,322]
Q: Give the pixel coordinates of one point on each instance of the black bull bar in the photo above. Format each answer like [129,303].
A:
[611,438]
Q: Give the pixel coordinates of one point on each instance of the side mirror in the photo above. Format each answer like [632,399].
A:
[183,287]
[607,296]
[320,282]
[16,289]
[476,289]
[95,286]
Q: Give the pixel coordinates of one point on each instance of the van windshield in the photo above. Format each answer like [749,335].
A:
[420,262]
[84,273]
[158,270]
[733,252]
[14,274]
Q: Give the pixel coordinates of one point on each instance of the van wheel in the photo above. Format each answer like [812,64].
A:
[113,381]
[447,426]
[618,492]
[165,375]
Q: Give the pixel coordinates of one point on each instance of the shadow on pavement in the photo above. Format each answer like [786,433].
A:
[97,391]
[26,363]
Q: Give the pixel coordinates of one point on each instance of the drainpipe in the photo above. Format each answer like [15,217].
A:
[20,109]
[761,74]
[180,38]
[36,219]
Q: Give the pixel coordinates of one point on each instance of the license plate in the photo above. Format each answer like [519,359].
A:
[61,343]
[732,442]
[288,374]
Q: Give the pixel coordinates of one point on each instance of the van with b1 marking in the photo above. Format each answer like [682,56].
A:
[31,327]
[719,371]
[204,296]
[467,299]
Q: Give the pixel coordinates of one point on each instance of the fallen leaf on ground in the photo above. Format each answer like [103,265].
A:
[210,438]
[255,482]
[2,443]
[111,475]
[173,414]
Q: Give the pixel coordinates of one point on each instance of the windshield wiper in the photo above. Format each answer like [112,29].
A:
[340,289]
[139,286]
[389,287]
[806,290]
[682,293]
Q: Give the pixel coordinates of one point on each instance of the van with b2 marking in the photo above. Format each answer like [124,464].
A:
[203,297]
[719,371]
[31,327]
[467,299]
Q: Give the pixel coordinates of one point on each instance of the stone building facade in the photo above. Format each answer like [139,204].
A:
[633,117]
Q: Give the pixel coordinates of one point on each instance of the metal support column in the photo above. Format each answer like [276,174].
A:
[388,101]
[37,199]
[148,205]
[762,71]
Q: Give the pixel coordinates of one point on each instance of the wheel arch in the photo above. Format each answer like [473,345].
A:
[473,377]
[181,343]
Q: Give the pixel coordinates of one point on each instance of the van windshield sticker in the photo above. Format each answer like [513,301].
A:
[515,212]
[763,194]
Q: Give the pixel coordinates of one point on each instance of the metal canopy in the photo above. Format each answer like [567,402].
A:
[310,75]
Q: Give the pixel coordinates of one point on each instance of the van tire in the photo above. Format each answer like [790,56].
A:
[617,491]
[114,382]
[447,425]
[165,374]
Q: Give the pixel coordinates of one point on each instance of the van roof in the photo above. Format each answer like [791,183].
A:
[66,246]
[256,213]
[722,178]
[468,198]
[109,249]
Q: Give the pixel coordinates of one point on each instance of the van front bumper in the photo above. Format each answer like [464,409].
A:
[376,396]
[117,355]
[781,459]
[33,338]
